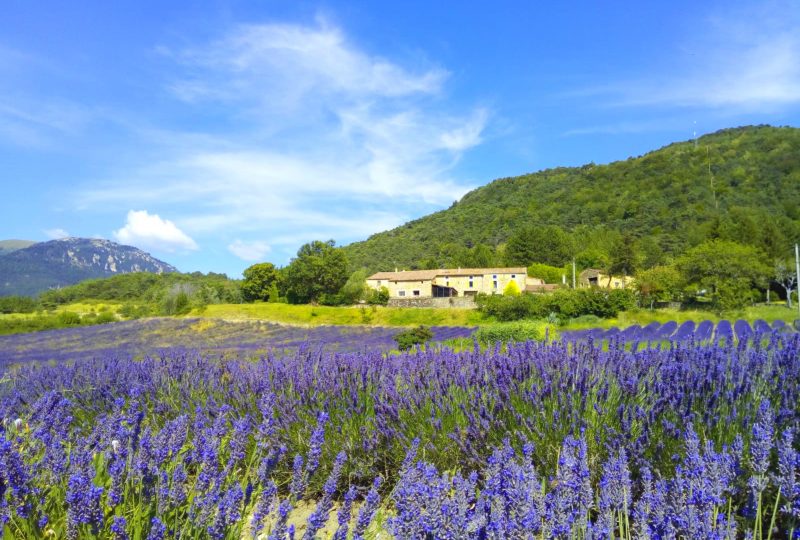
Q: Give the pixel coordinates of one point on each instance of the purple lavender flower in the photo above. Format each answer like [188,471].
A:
[157,530]
[367,512]
[279,529]
[319,517]
[268,427]
[119,528]
[83,502]
[13,475]
[237,445]
[567,506]
[788,462]
[344,514]
[511,502]
[615,493]
[298,486]
[761,447]
[315,444]
[263,508]
[177,488]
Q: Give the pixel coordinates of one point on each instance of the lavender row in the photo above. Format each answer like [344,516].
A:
[672,331]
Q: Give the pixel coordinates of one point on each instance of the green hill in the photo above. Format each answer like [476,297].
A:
[740,184]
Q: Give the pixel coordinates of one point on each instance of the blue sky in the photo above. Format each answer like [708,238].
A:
[218,134]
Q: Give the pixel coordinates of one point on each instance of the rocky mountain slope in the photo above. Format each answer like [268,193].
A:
[57,263]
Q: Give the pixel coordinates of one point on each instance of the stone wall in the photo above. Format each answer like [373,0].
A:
[452,302]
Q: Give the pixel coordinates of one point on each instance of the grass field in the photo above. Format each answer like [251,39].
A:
[81,308]
[307,315]
[319,315]
[387,316]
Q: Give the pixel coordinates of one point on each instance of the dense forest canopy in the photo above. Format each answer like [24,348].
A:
[740,184]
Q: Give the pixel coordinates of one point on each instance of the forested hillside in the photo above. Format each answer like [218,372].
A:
[740,184]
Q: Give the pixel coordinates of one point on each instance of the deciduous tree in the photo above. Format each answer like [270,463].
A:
[660,283]
[258,281]
[727,271]
[548,245]
[785,276]
[319,268]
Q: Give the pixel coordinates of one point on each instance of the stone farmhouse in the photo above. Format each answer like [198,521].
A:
[450,282]
[592,277]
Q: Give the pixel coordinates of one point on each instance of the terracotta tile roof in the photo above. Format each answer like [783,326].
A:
[426,275]
[411,275]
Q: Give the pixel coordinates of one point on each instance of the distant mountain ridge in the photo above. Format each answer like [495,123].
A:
[8,246]
[739,183]
[58,263]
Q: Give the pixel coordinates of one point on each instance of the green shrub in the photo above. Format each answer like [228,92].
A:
[68,318]
[332,299]
[413,337]
[378,297]
[17,304]
[509,308]
[511,331]
[564,304]
[105,317]
[512,289]
[547,273]
[585,320]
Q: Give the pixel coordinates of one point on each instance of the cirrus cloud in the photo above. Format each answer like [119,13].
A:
[249,251]
[322,139]
[56,234]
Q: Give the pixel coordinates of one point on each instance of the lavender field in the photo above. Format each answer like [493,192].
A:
[532,440]
[240,339]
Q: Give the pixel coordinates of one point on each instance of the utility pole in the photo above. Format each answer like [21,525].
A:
[797,269]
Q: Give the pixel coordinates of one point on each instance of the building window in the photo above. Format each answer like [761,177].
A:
[379,283]
[416,293]
[495,284]
[513,276]
[401,293]
[494,276]
[470,283]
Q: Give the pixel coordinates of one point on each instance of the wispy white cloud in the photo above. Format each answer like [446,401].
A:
[320,137]
[150,231]
[254,250]
[55,234]
[290,62]
[30,116]
[744,60]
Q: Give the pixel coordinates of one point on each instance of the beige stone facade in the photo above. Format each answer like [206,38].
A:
[449,282]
